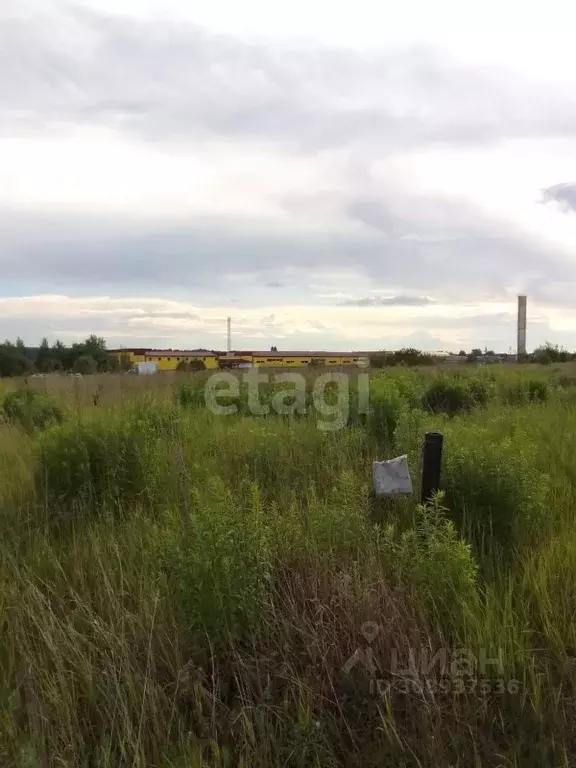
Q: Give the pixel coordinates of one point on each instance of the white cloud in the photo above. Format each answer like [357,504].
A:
[136,321]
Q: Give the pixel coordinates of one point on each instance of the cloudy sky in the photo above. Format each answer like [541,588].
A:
[347,175]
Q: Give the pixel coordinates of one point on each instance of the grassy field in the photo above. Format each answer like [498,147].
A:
[184,589]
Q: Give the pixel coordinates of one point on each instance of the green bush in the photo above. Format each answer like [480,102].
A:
[438,561]
[549,353]
[537,390]
[522,390]
[406,356]
[449,396]
[31,410]
[85,364]
[481,390]
[386,405]
[191,396]
[95,463]
[219,565]
[431,560]
[492,484]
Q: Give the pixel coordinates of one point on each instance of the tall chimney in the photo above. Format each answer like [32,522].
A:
[228,335]
[521,342]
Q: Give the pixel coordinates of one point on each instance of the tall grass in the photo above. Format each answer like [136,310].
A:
[183,589]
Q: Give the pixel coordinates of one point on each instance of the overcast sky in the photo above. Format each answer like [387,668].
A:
[347,175]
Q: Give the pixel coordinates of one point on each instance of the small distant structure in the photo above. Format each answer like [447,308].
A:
[146,368]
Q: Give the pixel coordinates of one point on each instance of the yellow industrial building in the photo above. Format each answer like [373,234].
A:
[290,359]
[168,359]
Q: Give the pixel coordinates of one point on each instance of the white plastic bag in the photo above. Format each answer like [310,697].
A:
[392,477]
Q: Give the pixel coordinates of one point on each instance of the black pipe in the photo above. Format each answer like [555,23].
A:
[431,465]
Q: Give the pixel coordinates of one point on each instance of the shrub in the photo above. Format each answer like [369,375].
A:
[447,396]
[521,391]
[492,484]
[94,463]
[31,410]
[537,390]
[378,360]
[410,356]
[219,566]
[409,386]
[549,353]
[85,364]
[406,356]
[191,396]
[480,391]
[432,560]
[386,405]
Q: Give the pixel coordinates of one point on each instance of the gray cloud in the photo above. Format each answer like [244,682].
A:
[564,194]
[168,81]
[475,260]
[388,301]
[373,214]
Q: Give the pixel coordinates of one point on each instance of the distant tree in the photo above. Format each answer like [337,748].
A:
[476,352]
[59,352]
[20,345]
[273,349]
[45,361]
[85,364]
[462,353]
[549,353]
[53,365]
[410,356]
[94,347]
[13,362]
[406,356]
[378,360]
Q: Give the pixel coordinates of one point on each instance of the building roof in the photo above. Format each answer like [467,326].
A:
[165,352]
[234,353]
[291,353]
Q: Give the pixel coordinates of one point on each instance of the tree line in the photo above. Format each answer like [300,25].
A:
[545,354]
[88,356]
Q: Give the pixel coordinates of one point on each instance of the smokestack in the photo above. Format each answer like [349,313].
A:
[521,344]
[228,335]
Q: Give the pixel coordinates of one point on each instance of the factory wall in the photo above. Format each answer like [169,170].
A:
[168,360]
